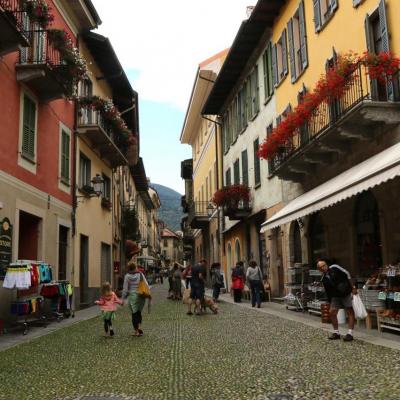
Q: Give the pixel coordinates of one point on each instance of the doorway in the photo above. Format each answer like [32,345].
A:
[28,237]
[105,263]
[62,252]
[84,270]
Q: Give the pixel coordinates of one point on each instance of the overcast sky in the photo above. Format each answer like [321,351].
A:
[160,44]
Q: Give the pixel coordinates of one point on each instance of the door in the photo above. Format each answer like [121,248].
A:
[62,252]
[105,263]
[29,235]
[84,269]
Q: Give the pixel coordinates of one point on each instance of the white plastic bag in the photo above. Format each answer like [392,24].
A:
[359,310]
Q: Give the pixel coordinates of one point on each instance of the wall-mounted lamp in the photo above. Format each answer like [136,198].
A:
[94,190]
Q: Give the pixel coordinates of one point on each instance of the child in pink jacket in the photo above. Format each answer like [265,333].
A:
[108,304]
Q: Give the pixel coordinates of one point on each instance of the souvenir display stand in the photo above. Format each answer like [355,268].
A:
[318,293]
[297,287]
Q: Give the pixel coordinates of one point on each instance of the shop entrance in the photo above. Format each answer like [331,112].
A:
[369,249]
[28,237]
[84,270]
[297,253]
[317,238]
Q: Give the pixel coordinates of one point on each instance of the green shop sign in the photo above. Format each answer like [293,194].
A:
[5,245]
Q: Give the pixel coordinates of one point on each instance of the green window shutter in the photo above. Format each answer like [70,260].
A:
[270,70]
[257,178]
[317,15]
[284,53]
[65,155]
[334,5]
[236,172]
[265,70]
[303,36]
[28,128]
[228,177]
[292,56]
[245,168]
[257,91]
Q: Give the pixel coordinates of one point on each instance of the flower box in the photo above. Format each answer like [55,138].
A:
[106,203]
[87,190]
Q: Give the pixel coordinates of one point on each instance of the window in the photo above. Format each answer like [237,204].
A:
[165,243]
[84,171]
[236,172]
[269,133]
[297,43]
[323,11]
[65,156]
[228,177]
[268,78]
[257,174]
[279,59]
[207,198]
[242,109]
[254,92]
[245,168]
[107,187]
[29,129]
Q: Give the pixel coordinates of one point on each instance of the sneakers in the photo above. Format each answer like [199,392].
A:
[334,336]
[189,313]
[348,338]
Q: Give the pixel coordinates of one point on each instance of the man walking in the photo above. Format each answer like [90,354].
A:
[339,289]
[199,273]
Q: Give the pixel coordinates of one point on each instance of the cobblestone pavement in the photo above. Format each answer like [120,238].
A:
[238,354]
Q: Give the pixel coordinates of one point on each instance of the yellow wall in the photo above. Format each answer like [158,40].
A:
[345,31]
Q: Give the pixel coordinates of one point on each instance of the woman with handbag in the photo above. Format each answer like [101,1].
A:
[254,278]
[136,289]
[237,285]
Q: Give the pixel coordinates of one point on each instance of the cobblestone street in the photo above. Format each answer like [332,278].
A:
[238,354]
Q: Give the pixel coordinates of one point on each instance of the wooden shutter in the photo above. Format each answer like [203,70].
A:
[65,155]
[28,128]
[284,53]
[334,5]
[317,15]
[385,42]
[274,65]
[303,36]
[292,57]
[245,168]
[257,178]
[270,71]
[236,172]
[228,177]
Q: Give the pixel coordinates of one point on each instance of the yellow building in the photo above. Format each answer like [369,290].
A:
[100,148]
[202,135]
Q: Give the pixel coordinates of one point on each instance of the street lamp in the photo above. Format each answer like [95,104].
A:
[98,185]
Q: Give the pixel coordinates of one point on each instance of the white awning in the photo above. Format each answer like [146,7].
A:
[372,172]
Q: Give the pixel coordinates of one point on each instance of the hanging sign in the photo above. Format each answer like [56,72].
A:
[5,245]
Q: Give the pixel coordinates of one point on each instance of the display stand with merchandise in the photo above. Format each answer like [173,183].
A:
[297,287]
[319,297]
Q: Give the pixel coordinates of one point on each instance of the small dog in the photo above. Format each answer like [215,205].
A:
[208,302]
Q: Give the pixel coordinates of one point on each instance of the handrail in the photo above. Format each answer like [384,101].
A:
[14,9]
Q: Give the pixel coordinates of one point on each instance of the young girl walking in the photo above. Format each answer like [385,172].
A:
[108,304]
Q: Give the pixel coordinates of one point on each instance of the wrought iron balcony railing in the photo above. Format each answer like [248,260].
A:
[327,115]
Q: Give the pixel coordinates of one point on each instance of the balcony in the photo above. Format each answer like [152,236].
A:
[237,211]
[13,34]
[187,169]
[184,204]
[93,129]
[362,113]
[42,68]
[198,217]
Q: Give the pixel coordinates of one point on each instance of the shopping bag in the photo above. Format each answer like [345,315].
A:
[143,289]
[359,309]
[186,296]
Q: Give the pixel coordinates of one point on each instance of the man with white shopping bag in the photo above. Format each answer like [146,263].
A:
[339,289]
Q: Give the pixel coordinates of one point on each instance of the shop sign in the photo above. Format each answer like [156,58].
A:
[396,296]
[5,245]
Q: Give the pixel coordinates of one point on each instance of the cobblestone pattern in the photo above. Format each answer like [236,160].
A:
[238,354]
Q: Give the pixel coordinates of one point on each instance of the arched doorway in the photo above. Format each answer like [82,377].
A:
[238,256]
[297,253]
[369,251]
[317,238]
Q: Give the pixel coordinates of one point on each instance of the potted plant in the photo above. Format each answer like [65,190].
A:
[87,190]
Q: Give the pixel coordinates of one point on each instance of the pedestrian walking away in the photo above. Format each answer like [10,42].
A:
[108,305]
[199,273]
[217,280]
[176,283]
[187,275]
[254,279]
[136,301]
[339,289]
[238,278]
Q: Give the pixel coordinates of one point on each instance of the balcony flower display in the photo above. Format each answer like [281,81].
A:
[330,87]
[38,12]
[230,196]
[132,152]
[106,203]
[70,57]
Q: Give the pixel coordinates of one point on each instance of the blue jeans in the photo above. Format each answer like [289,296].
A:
[216,291]
[255,287]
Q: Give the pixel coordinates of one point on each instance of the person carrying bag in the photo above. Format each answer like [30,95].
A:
[254,278]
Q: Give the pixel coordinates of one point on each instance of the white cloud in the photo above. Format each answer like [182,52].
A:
[165,40]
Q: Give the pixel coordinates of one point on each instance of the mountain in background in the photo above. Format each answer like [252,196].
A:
[171,210]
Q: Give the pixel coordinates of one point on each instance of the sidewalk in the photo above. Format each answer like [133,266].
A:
[385,339]
[12,339]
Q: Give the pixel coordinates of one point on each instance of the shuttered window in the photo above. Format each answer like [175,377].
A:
[106,187]
[268,74]
[236,172]
[279,59]
[257,174]
[254,92]
[65,156]
[29,129]
[228,181]
[323,11]
[84,171]
[269,133]
[245,168]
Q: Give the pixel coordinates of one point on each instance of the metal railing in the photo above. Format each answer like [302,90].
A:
[198,209]
[41,51]
[88,116]
[327,114]
[15,12]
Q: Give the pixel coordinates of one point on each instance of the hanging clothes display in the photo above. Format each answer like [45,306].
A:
[26,274]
